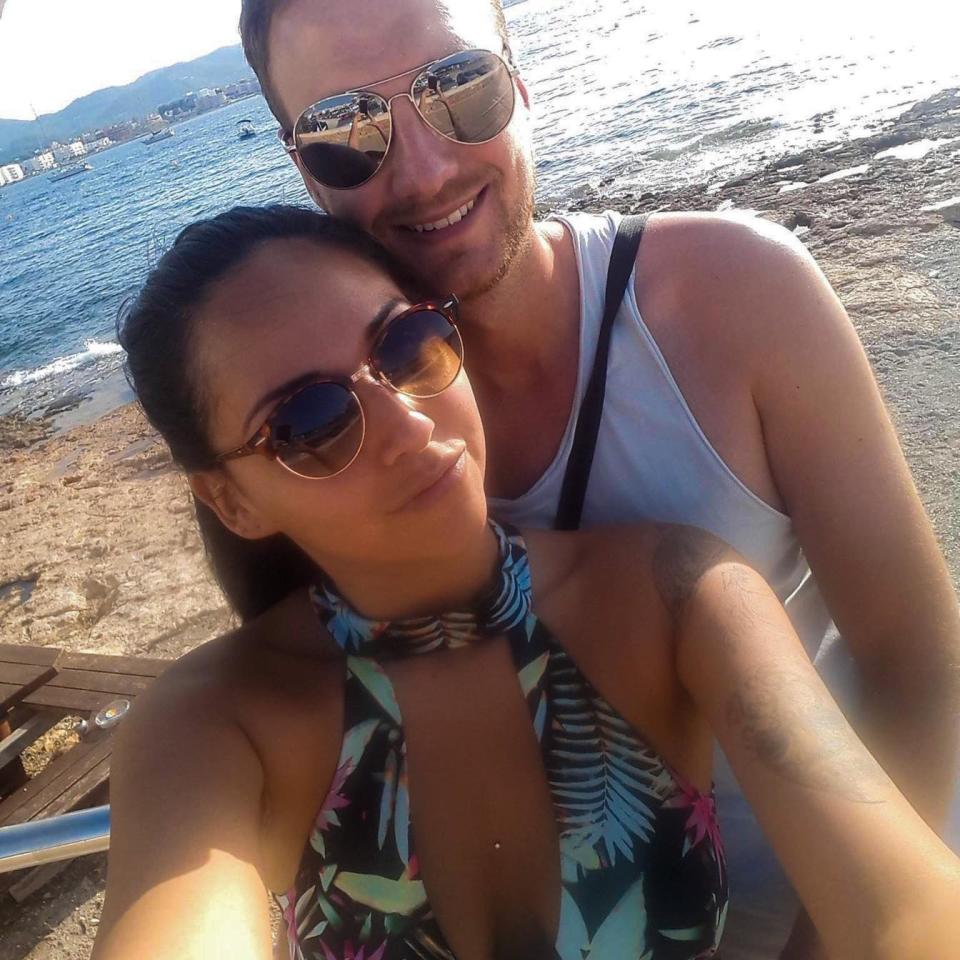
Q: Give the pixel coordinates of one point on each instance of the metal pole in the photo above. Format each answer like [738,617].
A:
[57,838]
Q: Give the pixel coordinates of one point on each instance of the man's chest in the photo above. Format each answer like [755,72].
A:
[677,413]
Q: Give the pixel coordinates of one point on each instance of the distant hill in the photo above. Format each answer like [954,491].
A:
[19,138]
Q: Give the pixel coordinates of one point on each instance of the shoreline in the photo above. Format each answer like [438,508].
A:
[102,552]
[72,399]
[120,143]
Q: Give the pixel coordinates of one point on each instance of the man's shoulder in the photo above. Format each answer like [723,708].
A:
[719,248]
[733,273]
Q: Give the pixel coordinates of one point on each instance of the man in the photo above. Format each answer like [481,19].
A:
[738,396]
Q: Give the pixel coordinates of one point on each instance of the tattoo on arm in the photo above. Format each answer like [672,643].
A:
[800,733]
[784,716]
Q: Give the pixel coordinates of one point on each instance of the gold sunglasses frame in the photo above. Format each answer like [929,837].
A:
[288,138]
[260,443]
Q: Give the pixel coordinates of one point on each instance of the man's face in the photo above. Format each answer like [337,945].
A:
[324,47]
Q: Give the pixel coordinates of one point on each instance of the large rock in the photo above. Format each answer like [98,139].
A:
[948,209]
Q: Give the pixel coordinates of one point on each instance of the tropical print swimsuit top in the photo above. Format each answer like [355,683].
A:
[642,869]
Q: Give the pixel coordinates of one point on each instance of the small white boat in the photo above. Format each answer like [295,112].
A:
[246,129]
[165,134]
[72,171]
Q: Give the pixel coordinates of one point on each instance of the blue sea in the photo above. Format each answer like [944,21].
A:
[625,93]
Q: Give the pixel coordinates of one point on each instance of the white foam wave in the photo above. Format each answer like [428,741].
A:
[915,150]
[92,350]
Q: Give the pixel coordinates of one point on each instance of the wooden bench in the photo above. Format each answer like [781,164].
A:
[38,687]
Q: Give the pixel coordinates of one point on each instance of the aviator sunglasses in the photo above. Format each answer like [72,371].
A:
[343,140]
[317,431]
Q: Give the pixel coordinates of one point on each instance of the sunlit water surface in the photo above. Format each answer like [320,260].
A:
[625,94]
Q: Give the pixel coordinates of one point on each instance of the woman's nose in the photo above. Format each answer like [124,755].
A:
[395,427]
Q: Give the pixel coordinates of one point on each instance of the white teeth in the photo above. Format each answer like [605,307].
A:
[447,221]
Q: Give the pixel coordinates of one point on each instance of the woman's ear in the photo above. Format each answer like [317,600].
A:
[233,509]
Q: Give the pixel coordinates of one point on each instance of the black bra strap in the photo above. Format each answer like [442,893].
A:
[577,475]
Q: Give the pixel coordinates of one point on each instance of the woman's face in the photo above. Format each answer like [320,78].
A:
[294,309]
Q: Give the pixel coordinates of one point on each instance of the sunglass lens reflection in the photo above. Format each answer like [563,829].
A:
[420,354]
[318,431]
[467,97]
[343,140]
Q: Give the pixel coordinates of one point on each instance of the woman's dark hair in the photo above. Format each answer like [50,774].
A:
[156,331]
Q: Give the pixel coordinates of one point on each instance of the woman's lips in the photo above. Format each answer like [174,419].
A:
[434,482]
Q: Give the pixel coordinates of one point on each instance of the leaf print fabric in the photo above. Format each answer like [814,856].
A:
[642,871]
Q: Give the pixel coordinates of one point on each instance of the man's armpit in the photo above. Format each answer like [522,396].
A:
[681,558]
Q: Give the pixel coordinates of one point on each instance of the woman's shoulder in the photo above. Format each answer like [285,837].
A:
[270,664]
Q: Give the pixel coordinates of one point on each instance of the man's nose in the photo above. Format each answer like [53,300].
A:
[422,162]
[394,425]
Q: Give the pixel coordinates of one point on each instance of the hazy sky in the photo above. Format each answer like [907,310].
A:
[52,51]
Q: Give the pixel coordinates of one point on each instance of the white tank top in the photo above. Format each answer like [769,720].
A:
[653,462]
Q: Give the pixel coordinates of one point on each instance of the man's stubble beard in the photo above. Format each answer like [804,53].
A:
[517,234]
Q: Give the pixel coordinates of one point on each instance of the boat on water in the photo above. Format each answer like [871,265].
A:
[72,171]
[165,134]
[246,129]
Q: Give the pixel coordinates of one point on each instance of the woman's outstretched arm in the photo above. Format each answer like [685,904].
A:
[183,881]
[875,879]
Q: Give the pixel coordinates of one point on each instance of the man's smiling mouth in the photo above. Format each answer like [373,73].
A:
[455,216]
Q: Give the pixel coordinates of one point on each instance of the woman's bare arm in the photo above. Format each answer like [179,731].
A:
[876,880]
[183,879]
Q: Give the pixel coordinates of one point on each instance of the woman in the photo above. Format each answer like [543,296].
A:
[501,745]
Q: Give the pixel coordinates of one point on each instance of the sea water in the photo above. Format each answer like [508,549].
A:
[624,94]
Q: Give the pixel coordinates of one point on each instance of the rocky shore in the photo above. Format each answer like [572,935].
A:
[99,547]
[882,216]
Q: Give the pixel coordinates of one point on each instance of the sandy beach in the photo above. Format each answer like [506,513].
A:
[99,550]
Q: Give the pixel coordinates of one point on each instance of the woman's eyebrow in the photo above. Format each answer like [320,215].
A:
[383,314]
[291,386]
[278,393]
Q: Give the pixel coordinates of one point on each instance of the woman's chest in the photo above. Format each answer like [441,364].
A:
[499,806]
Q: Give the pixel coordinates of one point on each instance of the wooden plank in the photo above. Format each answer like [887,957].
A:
[80,702]
[12,775]
[22,653]
[55,781]
[33,880]
[21,738]
[36,878]
[76,795]
[107,663]
[24,673]
[8,690]
[20,715]
[10,697]
[94,682]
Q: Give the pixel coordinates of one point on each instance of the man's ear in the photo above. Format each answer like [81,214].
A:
[524,92]
[215,489]
[308,181]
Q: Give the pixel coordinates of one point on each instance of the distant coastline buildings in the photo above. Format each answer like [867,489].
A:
[56,154]
[11,173]
[68,152]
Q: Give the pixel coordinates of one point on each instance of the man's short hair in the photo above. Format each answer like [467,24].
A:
[256,16]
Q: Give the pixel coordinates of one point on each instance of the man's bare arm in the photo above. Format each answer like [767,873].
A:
[820,796]
[836,460]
